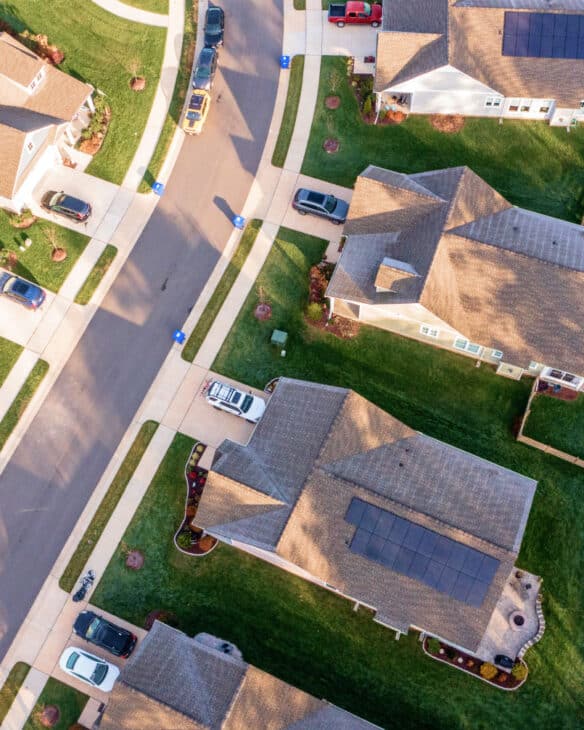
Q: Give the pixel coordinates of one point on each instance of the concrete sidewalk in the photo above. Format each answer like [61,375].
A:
[129,12]
[171,393]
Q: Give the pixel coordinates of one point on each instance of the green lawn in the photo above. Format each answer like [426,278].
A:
[178,97]
[96,274]
[10,688]
[22,400]
[106,51]
[558,423]
[69,701]
[9,354]
[34,263]
[107,506]
[154,6]
[299,4]
[530,163]
[312,638]
[223,288]
[290,112]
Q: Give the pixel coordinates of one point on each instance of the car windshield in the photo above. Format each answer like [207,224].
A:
[72,659]
[56,199]
[92,628]
[99,673]
[330,203]
[203,72]
[194,116]
[246,405]
[213,21]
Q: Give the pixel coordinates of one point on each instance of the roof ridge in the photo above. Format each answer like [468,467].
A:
[420,190]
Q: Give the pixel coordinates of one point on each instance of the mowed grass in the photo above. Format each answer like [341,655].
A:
[181,87]
[9,354]
[107,506]
[23,398]
[34,263]
[153,6]
[558,423]
[312,638]
[96,274]
[290,111]
[106,51]
[532,164]
[69,701]
[222,289]
[10,688]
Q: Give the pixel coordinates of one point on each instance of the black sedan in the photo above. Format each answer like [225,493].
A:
[66,205]
[326,206]
[204,72]
[101,632]
[214,26]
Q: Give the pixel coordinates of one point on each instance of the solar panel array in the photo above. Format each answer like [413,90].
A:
[405,547]
[543,35]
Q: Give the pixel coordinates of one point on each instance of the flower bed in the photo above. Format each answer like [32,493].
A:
[190,539]
[471,665]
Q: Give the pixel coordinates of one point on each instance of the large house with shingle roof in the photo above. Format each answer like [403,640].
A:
[175,682]
[518,59]
[40,107]
[337,491]
[443,258]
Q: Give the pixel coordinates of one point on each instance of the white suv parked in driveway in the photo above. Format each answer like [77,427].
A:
[230,399]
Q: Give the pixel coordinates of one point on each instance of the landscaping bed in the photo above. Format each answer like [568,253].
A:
[530,163]
[106,51]
[68,701]
[557,422]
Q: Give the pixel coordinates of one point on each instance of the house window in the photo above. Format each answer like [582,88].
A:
[497,354]
[493,101]
[562,376]
[582,105]
[544,109]
[428,331]
[525,107]
[460,343]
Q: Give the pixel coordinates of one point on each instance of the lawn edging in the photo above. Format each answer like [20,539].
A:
[23,398]
[96,274]
[107,505]
[221,291]
[9,689]
[290,111]
[178,98]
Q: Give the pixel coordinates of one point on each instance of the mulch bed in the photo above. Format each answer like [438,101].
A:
[24,223]
[134,560]
[393,117]
[50,716]
[330,145]
[544,388]
[344,329]
[166,617]
[447,123]
[332,102]
[472,665]
[263,311]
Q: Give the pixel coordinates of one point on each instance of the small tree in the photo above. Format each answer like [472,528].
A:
[367,106]
[184,540]
[433,645]
[488,670]
[519,671]
[58,252]
[314,311]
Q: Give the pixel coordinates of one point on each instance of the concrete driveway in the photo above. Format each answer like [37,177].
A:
[99,193]
[352,40]
[17,323]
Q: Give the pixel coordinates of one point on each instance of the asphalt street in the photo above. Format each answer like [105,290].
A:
[57,465]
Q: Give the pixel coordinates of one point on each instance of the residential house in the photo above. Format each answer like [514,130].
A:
[175,682]
[442,257]
[337,491]
[42,111]
[519,59]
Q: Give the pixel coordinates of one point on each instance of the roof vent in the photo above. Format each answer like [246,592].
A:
[554,243]
[401,463]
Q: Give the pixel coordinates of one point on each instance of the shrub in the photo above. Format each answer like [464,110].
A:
[314,311]
[519,671]
[367,106]
[433,645]
[184,539]
[450,653]
[488,670]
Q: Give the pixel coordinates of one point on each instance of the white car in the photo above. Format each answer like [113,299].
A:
[89,668]
[230,399]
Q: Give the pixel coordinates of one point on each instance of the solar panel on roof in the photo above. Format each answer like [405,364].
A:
[415,551]
[543,35]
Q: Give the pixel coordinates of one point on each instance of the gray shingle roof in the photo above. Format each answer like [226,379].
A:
[366,452]
[421,35]
[484,266]
[174,682]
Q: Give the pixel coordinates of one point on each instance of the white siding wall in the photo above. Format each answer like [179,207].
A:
[36,139]
[49,158]
[450,102]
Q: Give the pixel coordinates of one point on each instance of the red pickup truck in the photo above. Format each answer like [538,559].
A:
[355,12]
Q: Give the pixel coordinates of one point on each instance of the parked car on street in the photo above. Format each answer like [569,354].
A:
[66,205]
[197,111]
[214,26]
[230,399]
[20,290]
[309,201]
[204,73]
[101,632]
[88,668]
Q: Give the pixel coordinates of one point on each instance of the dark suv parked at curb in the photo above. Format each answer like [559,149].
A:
[66,205]
[214,26]
[101,632]
[326,206]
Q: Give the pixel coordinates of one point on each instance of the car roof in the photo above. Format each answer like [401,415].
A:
[214,10]
[73,203]
[207,51]
[311,196]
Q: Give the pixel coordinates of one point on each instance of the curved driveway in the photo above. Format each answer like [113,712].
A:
[71,440]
